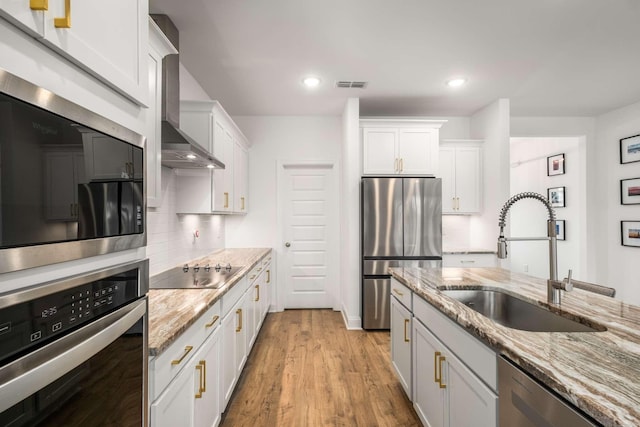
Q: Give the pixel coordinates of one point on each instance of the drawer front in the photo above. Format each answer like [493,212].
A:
[266,260]
[470,260]
[402,293]
[230,298]
[168,364]
[477,356]
[255,272]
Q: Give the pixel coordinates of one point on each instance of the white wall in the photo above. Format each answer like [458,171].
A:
[170,239]
[529,217]
[190,89]
[492,125]
[616,264]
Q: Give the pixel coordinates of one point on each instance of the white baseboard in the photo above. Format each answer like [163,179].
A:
[350,322]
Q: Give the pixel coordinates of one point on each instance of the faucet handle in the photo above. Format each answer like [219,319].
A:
[568,285]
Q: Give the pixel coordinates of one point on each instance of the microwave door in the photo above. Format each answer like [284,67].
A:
[98,210]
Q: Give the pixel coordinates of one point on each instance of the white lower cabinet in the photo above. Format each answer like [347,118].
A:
[446,391]
[234,348]
[401,320]
[207,382]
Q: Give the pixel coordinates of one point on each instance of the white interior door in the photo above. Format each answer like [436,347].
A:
[308,206]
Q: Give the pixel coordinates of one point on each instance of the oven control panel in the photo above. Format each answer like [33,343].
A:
[33,323]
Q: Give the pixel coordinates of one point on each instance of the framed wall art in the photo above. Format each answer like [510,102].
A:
[630,149]
[630,191]
[630,233]
[555,165]
[560,230]
[556,196]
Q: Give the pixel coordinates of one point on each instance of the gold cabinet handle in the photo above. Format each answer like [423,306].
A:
[39,4]
[187,350]
[436,355]
[406,323]
[213,321]
[226,200]
[239,313]
[398,292]
[201,367]
[258,293]
[242,202]
[441,359]
[268,276]
[252,277]
[66,21]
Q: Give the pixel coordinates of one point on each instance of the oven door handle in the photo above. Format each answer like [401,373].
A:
[32,372]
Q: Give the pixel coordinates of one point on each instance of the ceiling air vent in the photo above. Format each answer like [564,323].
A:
[351,85]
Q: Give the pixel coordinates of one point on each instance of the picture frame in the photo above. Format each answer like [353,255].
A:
[630,149]
[630,233]
[630,191]
[555,165]
[557,196]
[561,233]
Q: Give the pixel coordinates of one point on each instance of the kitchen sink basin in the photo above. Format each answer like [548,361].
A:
[177,278]
[515,313]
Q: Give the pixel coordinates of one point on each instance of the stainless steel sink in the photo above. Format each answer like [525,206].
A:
[515,313]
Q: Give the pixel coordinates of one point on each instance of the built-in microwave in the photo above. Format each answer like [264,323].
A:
[72,183]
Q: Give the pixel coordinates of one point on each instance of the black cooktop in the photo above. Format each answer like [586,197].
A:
[194,277]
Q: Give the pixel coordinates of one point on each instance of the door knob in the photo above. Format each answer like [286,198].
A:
[288,244]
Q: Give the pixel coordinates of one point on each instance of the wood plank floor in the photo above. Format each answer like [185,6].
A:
[307,369]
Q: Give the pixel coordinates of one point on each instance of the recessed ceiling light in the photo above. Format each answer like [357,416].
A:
[191,156]
[457,82]
[311,81]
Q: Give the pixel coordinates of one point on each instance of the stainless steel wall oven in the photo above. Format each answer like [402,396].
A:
[73,352]
[71,181]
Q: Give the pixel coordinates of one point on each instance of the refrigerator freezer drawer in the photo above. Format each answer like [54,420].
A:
[381,267]
[376,304]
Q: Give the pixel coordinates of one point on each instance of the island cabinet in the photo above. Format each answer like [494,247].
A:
[77,31]
[185,378]
[454,375]
[221,190]
[399,147]
[460,167]
[401,330]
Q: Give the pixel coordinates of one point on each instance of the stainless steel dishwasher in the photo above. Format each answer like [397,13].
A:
[525,403]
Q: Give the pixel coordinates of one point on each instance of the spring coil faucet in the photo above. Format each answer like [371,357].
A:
[553,285]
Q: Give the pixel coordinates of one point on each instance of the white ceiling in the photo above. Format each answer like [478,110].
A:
[549,57]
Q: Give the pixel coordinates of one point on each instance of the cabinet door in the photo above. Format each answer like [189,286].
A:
[379,151]
[268,289]
[243,327]
[175,406]
[228,373]
[107,39]
[240,166]
[106,158]
[250,311]
[207,382]
[468,179]
[227,180]
[401,344]
[428,398]
[418,151]
[470,401]
[447,171]
[19,13]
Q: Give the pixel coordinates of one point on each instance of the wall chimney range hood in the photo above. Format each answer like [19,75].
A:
[179,150]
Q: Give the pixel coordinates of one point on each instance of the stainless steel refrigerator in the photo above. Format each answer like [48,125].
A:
[401,226]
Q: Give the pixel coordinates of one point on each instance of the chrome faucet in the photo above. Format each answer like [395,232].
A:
[553,285]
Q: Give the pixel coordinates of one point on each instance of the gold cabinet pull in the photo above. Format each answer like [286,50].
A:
[242,201]
[66,21]
[436,355]
[398,292]
[441,359]
[239,313]
[187,350]
[253,276]
[226,200]
[199,368]
[406,323]
[204,375]
[213,321]
[258,293]
[268,276]
[39,4]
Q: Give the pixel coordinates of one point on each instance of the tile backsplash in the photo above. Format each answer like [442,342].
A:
[171,237]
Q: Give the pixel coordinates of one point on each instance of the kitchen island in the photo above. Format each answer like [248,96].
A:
[598,372]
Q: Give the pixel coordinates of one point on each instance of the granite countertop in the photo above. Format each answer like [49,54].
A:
[599,372]
[172,311]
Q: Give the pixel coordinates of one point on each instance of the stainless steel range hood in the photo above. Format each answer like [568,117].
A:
[179,150]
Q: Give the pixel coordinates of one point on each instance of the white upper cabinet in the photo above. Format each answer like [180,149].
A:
[159,47]
[223,190]
[460,167]
[400,147]
[106,39]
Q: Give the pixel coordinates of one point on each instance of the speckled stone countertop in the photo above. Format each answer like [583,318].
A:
[599,372]
[172,311]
